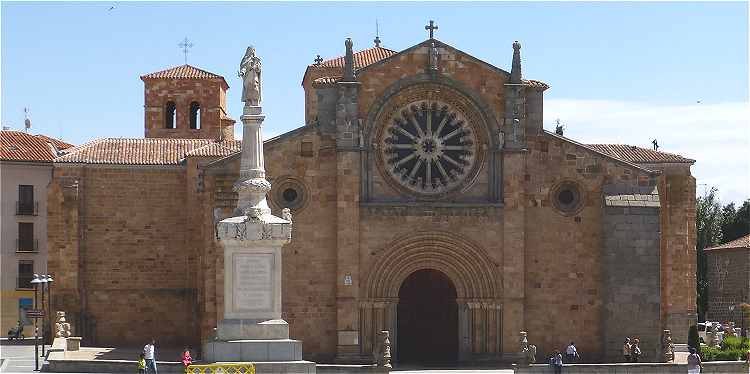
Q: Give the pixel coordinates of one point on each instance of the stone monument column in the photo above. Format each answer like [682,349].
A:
[252,329]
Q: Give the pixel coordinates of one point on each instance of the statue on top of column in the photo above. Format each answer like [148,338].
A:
[250,68]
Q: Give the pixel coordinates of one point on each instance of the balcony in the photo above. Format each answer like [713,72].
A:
[27,246]
[27,208]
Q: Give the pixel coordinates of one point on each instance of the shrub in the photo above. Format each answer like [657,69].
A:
[735,343]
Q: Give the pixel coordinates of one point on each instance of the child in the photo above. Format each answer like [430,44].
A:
[186,359]
[142,364]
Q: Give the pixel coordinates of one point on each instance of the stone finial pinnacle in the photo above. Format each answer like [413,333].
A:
[377,41]
[349,60]
[515,72]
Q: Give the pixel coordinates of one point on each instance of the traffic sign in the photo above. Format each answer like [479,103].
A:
[35,313]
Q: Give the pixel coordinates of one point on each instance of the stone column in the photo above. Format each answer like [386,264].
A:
[252,328]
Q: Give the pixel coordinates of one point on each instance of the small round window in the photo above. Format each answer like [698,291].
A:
[289,193]
[567,197]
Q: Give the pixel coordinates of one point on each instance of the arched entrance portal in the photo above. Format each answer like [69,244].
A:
[427,319]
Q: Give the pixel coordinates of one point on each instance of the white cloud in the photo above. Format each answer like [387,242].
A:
[717,136]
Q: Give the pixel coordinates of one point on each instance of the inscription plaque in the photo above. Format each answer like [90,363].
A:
[253,282]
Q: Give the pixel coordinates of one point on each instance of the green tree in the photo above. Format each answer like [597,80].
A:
[708,220]
[735,223]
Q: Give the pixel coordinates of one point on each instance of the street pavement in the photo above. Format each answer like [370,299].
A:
[20,359]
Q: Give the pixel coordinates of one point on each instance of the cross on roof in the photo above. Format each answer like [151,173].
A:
[318,60]
[185,45]
[431,27]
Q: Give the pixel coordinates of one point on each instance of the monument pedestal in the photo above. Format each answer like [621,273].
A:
[252,329]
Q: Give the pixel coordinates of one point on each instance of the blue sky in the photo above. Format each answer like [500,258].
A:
[619,72]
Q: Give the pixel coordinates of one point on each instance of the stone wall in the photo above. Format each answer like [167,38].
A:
[131,278]
[564,248]
[728,283]
[631,259]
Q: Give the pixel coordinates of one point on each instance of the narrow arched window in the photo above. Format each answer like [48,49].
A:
[170,115]
[195,115]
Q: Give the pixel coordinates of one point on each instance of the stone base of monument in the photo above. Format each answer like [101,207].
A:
[264,343]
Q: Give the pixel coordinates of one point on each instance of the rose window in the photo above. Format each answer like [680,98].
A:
[428,147]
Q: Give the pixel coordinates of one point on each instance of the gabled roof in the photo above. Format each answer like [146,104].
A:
[743,242]
[146,151]
[20,146]
[332,69]
[363,58]
[184,72]
[638,155]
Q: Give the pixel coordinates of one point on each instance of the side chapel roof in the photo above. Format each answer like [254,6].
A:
[743,242]
[638,155]
[146,151]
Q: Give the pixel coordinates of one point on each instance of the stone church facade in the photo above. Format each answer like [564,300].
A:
[427,200]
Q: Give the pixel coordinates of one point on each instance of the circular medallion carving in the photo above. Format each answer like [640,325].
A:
[567,197]
[429,144]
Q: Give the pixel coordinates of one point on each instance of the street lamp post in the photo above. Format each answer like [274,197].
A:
[43,280]
[35,283]
[49,306]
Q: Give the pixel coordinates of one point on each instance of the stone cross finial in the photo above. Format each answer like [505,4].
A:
[318,60]
[515,71]
[349,60]
[431,28]
[185,45]
[377,41]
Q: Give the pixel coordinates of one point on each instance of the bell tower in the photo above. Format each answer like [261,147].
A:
[187,103]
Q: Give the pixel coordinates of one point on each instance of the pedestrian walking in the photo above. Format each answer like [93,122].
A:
[571,353]
[626,348]
[694,365]
[149,353]
[635,351]
[557,362]
[186,359]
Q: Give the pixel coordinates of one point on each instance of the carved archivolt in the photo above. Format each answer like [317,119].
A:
[467,265]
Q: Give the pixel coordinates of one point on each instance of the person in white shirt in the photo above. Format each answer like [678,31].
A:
[149,352]
[571,353]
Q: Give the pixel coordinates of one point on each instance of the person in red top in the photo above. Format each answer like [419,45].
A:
[186,359]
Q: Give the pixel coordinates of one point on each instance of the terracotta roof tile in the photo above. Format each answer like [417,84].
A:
[183,72]
[361,59]
[148,151]
[536,84]
[20,146]
[638,155]
[743,242]
[217,149]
